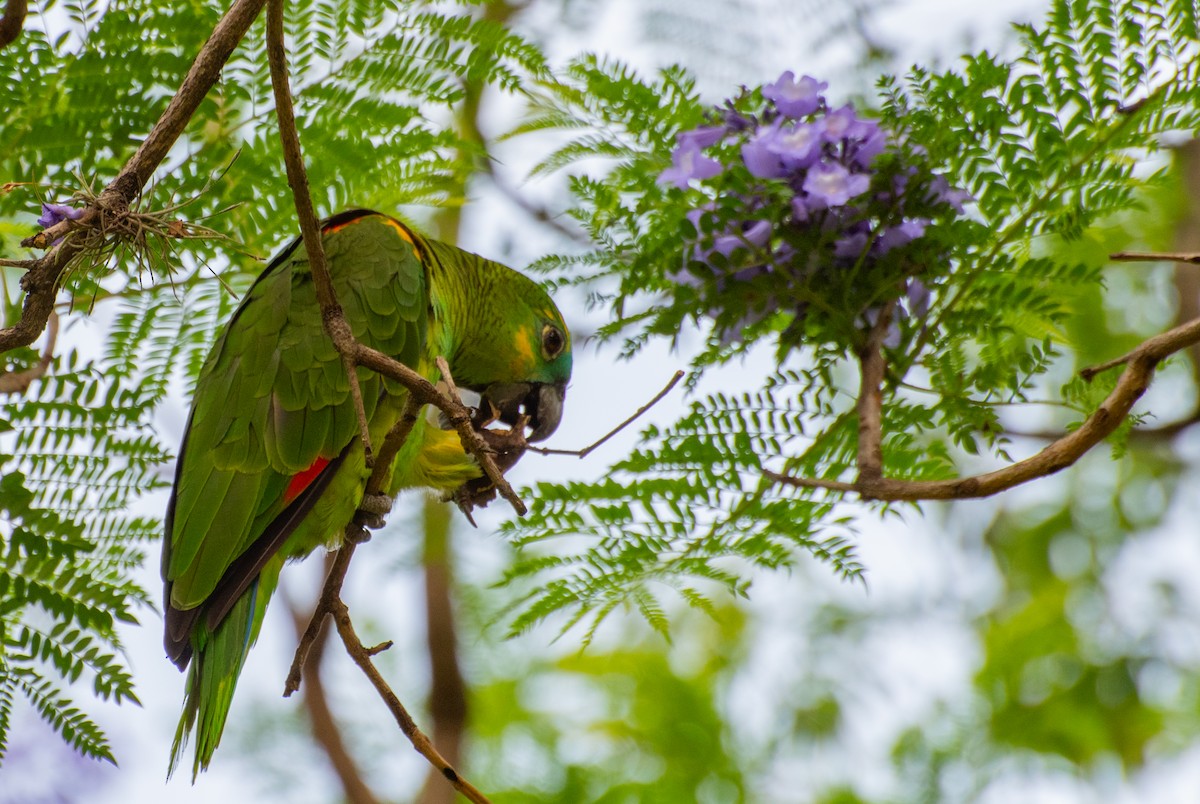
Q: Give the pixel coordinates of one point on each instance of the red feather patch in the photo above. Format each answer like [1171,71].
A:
[301,480]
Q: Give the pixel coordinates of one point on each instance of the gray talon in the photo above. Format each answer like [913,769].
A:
[356,533]
[378,504]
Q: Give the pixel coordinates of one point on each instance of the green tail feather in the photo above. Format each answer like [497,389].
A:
[213,674]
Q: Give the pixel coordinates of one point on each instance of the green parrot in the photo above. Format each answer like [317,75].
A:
[271,466]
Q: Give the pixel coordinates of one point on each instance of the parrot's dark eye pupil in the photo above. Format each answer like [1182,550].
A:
[552,341]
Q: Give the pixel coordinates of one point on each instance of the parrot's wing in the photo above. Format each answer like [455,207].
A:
[272,417]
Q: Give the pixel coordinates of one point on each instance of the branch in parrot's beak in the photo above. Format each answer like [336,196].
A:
[541,404]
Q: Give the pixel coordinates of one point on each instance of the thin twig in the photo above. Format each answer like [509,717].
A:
[361,657]
[1140,365]
[18,382]
[1089,373]
[329,594]
[310,229]
[582,453]
[324,724]
[448,378]
[1147,256]
[427,394]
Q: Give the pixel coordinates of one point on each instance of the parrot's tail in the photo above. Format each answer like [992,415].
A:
[213,675]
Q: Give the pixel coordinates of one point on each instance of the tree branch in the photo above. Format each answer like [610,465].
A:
[870,399]
[18,382]
[12,22]
[1139,370]
[583,453]
[324,726]
[40,283]
[1148,256]
[362,657]
[310,229]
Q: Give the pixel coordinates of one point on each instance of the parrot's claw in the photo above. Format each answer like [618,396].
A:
[378,504]
[369,516]
[357,533]
[506,448]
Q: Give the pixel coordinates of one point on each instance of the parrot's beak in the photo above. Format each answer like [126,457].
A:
[543,404]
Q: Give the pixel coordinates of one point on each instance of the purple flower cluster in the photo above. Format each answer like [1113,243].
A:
[799,200]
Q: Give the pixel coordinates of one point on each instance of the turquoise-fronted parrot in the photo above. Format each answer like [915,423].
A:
[272,464]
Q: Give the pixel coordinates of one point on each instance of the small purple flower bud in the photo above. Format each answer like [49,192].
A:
[832,185]
[795,98]
[871,143]
[57,213]
[761,160]
[689,164]
[753,272]
[918,298]
[850,247]
[754,234]
[798,146]
[901,235]
[784,256]
[700,138]
[735,120]
[941,191]
[800,211]
[839,124]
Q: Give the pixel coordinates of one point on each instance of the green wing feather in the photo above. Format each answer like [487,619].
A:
[272,399]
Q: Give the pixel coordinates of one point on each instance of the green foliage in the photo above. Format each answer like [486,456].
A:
[374,84]
[1066,135]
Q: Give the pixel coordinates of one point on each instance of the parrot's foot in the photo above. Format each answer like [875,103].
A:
[507,447]
[369,516]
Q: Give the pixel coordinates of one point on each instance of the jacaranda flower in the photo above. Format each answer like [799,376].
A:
[831,185]
[57,213]
[795,98]
[806,208]
[689,164]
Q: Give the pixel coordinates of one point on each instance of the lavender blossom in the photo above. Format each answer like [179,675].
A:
[901,235]
[831,185]
[689,164]
[754,234]
[803,196]
[57,213]
[795,98]
[798,146]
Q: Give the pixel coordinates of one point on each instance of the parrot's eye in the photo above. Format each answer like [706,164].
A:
[553,341]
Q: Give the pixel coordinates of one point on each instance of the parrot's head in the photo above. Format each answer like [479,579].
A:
[541,358]
[504,339]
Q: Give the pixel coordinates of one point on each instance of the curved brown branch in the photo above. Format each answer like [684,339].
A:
[324,725]
[18,382]
[13,21]
[1139,370]
[40,283]
[310,229]
[362,657]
